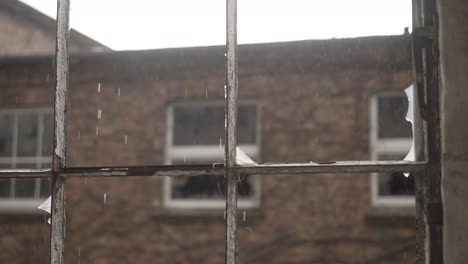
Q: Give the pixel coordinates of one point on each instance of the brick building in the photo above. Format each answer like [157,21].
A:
[299,101]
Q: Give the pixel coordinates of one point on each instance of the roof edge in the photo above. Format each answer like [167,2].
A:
[48,24]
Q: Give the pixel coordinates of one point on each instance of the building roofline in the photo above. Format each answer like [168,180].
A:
[295,49]
[372,53]
[47,23]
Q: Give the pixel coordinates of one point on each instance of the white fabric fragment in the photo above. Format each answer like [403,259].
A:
[410,117]
[46,205]
[243,159]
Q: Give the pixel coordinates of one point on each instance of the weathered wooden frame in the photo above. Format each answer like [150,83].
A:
[428,205]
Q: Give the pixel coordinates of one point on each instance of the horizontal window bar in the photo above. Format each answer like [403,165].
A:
[335,167]
[218,169]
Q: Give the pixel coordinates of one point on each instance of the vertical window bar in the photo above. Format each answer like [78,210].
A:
[433,197]
[428,194]
[230,126]
[58,162]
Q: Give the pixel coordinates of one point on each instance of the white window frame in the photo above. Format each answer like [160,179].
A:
[382,147]
[15,205]
[207,152]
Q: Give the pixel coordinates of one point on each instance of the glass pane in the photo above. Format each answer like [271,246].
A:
[204,124]
[6,134]
[25,188]
[27,134]
[48,134]
[391,115]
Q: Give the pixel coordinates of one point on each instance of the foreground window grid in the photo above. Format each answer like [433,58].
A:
[59,171]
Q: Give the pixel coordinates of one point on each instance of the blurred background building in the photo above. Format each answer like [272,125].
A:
[301,101]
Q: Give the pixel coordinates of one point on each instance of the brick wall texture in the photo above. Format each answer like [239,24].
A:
[22,34]
[314,102]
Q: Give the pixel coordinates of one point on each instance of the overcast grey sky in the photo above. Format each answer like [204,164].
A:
[150,24]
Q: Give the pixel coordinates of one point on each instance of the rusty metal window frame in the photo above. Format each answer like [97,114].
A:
[428,205]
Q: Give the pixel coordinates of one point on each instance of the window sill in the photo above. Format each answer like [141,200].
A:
[391,215]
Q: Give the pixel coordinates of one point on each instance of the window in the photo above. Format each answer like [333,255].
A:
[196,136]
[391,139]
[25,143]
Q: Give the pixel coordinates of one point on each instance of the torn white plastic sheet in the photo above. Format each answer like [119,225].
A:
[412,116]
[242,158]
[46,206]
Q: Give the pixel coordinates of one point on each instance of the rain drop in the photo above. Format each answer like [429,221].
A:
[224,216]
[245,215]
[97,130]
[118,91]
[206,94]
[99,88]
[99,114]
[78,135]
[47,78]
[105,198]
[126,139]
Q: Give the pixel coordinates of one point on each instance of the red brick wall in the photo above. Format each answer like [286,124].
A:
[314,106]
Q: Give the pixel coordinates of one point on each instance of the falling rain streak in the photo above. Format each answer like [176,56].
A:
[99,88]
